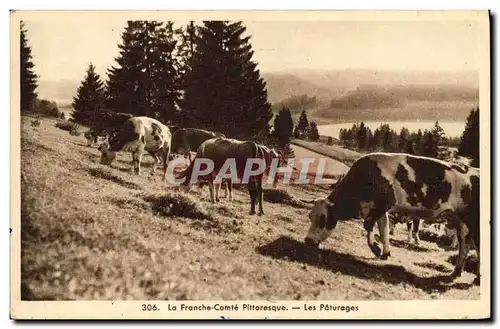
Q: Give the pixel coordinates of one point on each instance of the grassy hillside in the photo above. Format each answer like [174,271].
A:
[94,232]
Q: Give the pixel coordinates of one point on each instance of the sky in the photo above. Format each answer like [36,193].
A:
[63,48]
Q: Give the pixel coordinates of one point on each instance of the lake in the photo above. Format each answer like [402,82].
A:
[451,128]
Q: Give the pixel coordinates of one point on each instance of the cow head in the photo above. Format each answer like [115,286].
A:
[107,156]
[324,218]
[322,222]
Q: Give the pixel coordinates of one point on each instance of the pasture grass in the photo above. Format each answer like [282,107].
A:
[95,232]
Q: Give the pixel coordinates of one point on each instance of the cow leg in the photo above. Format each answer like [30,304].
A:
[454,242]
[217,188]
[371,213]
[392,224]
[260,193]
[464,244]
[252,190]
[409,226]
[383,228]
[416,230]
[156,160]
[225,189]
[229,189]
[211,188]
[165,155]
[136,158]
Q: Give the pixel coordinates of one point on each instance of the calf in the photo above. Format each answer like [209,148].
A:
[139,134]
[423,187]
[221,149]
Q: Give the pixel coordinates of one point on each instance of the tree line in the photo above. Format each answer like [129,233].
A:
[425,143]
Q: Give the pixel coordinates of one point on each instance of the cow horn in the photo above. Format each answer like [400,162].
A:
[308,201]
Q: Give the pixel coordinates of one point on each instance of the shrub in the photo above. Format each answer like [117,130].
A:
[73,128]
[47,108]
[329,141]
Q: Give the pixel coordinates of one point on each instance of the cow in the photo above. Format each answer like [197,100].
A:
[185,140]
[106,125]
[219,150]
[417,186]
[136,135]
[414,224]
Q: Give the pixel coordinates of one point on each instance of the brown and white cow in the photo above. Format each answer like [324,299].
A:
[136,135]
[219,150]
[423,187]
[106,124]
[185,140]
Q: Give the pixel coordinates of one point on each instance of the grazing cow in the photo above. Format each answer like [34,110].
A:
[185,140]
[413,225]
[139,134]
[221,149]
[107,124]
[417,186]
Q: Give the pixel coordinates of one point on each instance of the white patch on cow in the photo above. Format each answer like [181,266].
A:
[424,189]
[366,207]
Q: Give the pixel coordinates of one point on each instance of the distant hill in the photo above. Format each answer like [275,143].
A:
[335,83]
[376,97]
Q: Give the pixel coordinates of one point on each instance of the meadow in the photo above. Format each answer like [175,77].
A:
[93,232]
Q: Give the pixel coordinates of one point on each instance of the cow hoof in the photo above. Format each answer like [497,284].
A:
[375,250]
[260,213]
[385,256]
[252,212]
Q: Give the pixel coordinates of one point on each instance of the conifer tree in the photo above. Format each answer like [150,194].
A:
[312,131]
[303,124]
[224,90]
[90,98]
[28,77]
[469,143]
[283,127]
[145,81]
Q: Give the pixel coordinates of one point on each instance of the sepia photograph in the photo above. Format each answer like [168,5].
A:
[272,164]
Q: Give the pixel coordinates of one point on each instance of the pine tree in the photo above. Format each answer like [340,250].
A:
[430,145]
[419,142]
[312,131]
[124,85]
[89,100]
[186,48]
[303,124]
[438,134]
[29,79]
[404,137]
[224,90]
[469,143]
[283,127]
[146,80]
